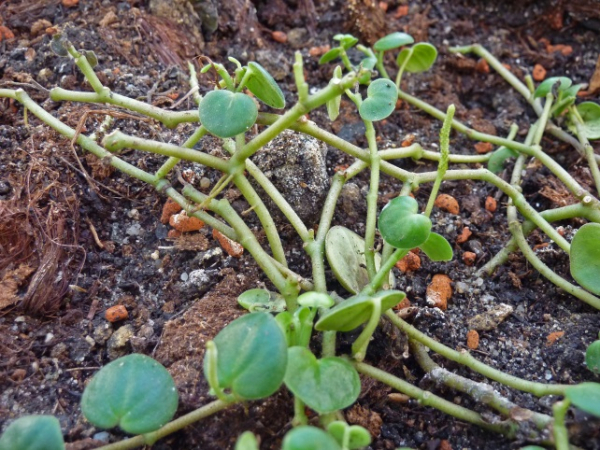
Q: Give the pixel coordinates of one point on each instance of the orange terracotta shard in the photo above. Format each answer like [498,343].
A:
[447,203]
[439,291]
[231,247]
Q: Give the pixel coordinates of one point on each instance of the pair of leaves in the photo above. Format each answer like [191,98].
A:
[226,114]
[325,385]
[134,392]
[382,95]
[590,113]
[345,254]
[33,433]
[252,357]
[585,257]
[255,300]
[418,58]
[402,226]
[339,434]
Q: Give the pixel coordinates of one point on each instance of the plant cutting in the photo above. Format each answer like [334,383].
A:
[275,345]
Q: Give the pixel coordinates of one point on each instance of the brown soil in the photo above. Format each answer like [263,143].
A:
[77,237]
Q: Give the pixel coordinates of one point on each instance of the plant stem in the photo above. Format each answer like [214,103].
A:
[372,196]
[383,273]
[443,163]
[117,140]
[561,435]
[189,143]
[465,358]
[170,428]
[360,345]
[543,269]
[480,392]
[426,398]
[588,150]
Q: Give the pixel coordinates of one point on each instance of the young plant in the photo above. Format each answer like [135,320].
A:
[258,353]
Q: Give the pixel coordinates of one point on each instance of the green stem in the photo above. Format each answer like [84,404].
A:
[117,140]
[372,196]
[426,398]
[561,435]
[543,269]
[170,428]
[443,164]
[169,118]
[189,143]
[465,358]
[299,413]
[588,150]
[360,345]
[382,274]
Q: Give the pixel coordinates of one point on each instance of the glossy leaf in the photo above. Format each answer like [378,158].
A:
[592,357]
[330,55]
[33,433]
[297,327]
[346,40]
[381,102]
[227,114]
[368,63]
[266,89]
[325,385]
[401,225]
[355,311]
[357,436]
[246,441]
[308,438]
[437,248]
[345,253]
[315,300]
[590,113]
[498,159]
[419,58]
[586,396]
[251,356]
[546,86]
[255,300]
[393,40]
[134,392]
[585,257]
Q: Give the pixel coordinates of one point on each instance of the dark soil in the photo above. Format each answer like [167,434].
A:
[57,278]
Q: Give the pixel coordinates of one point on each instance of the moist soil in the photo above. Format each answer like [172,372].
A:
[78,237]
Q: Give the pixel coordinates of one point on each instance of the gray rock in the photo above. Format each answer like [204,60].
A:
[352,203]
[297,37]
[295,164]
[116,345]
[274,62]
[102,333]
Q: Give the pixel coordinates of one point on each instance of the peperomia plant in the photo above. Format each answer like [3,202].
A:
[273,346]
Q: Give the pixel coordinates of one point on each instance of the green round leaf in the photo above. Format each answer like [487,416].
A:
[325,385]
[134,392]
[309,438]
[355,311]
[590,113]
[266,89]
[437,248]
[394,40]
[368,63]
[227,114]
[252,355]
[419,58]
[546,86]
[316,300]
[401,225]
[246,441]
[255,300]
[586,396]
[592,357]
[345,253]
[498,158]
[585,257]
[330,55]
[382,95]
[33,433]
[358,437]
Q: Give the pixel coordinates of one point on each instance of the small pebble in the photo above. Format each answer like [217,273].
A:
[102,436]
[116,313]
[279,36]
[447,203]
[490,204]
[439,291]
[473,339]
[184,276]
[204,183]
[539,73]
